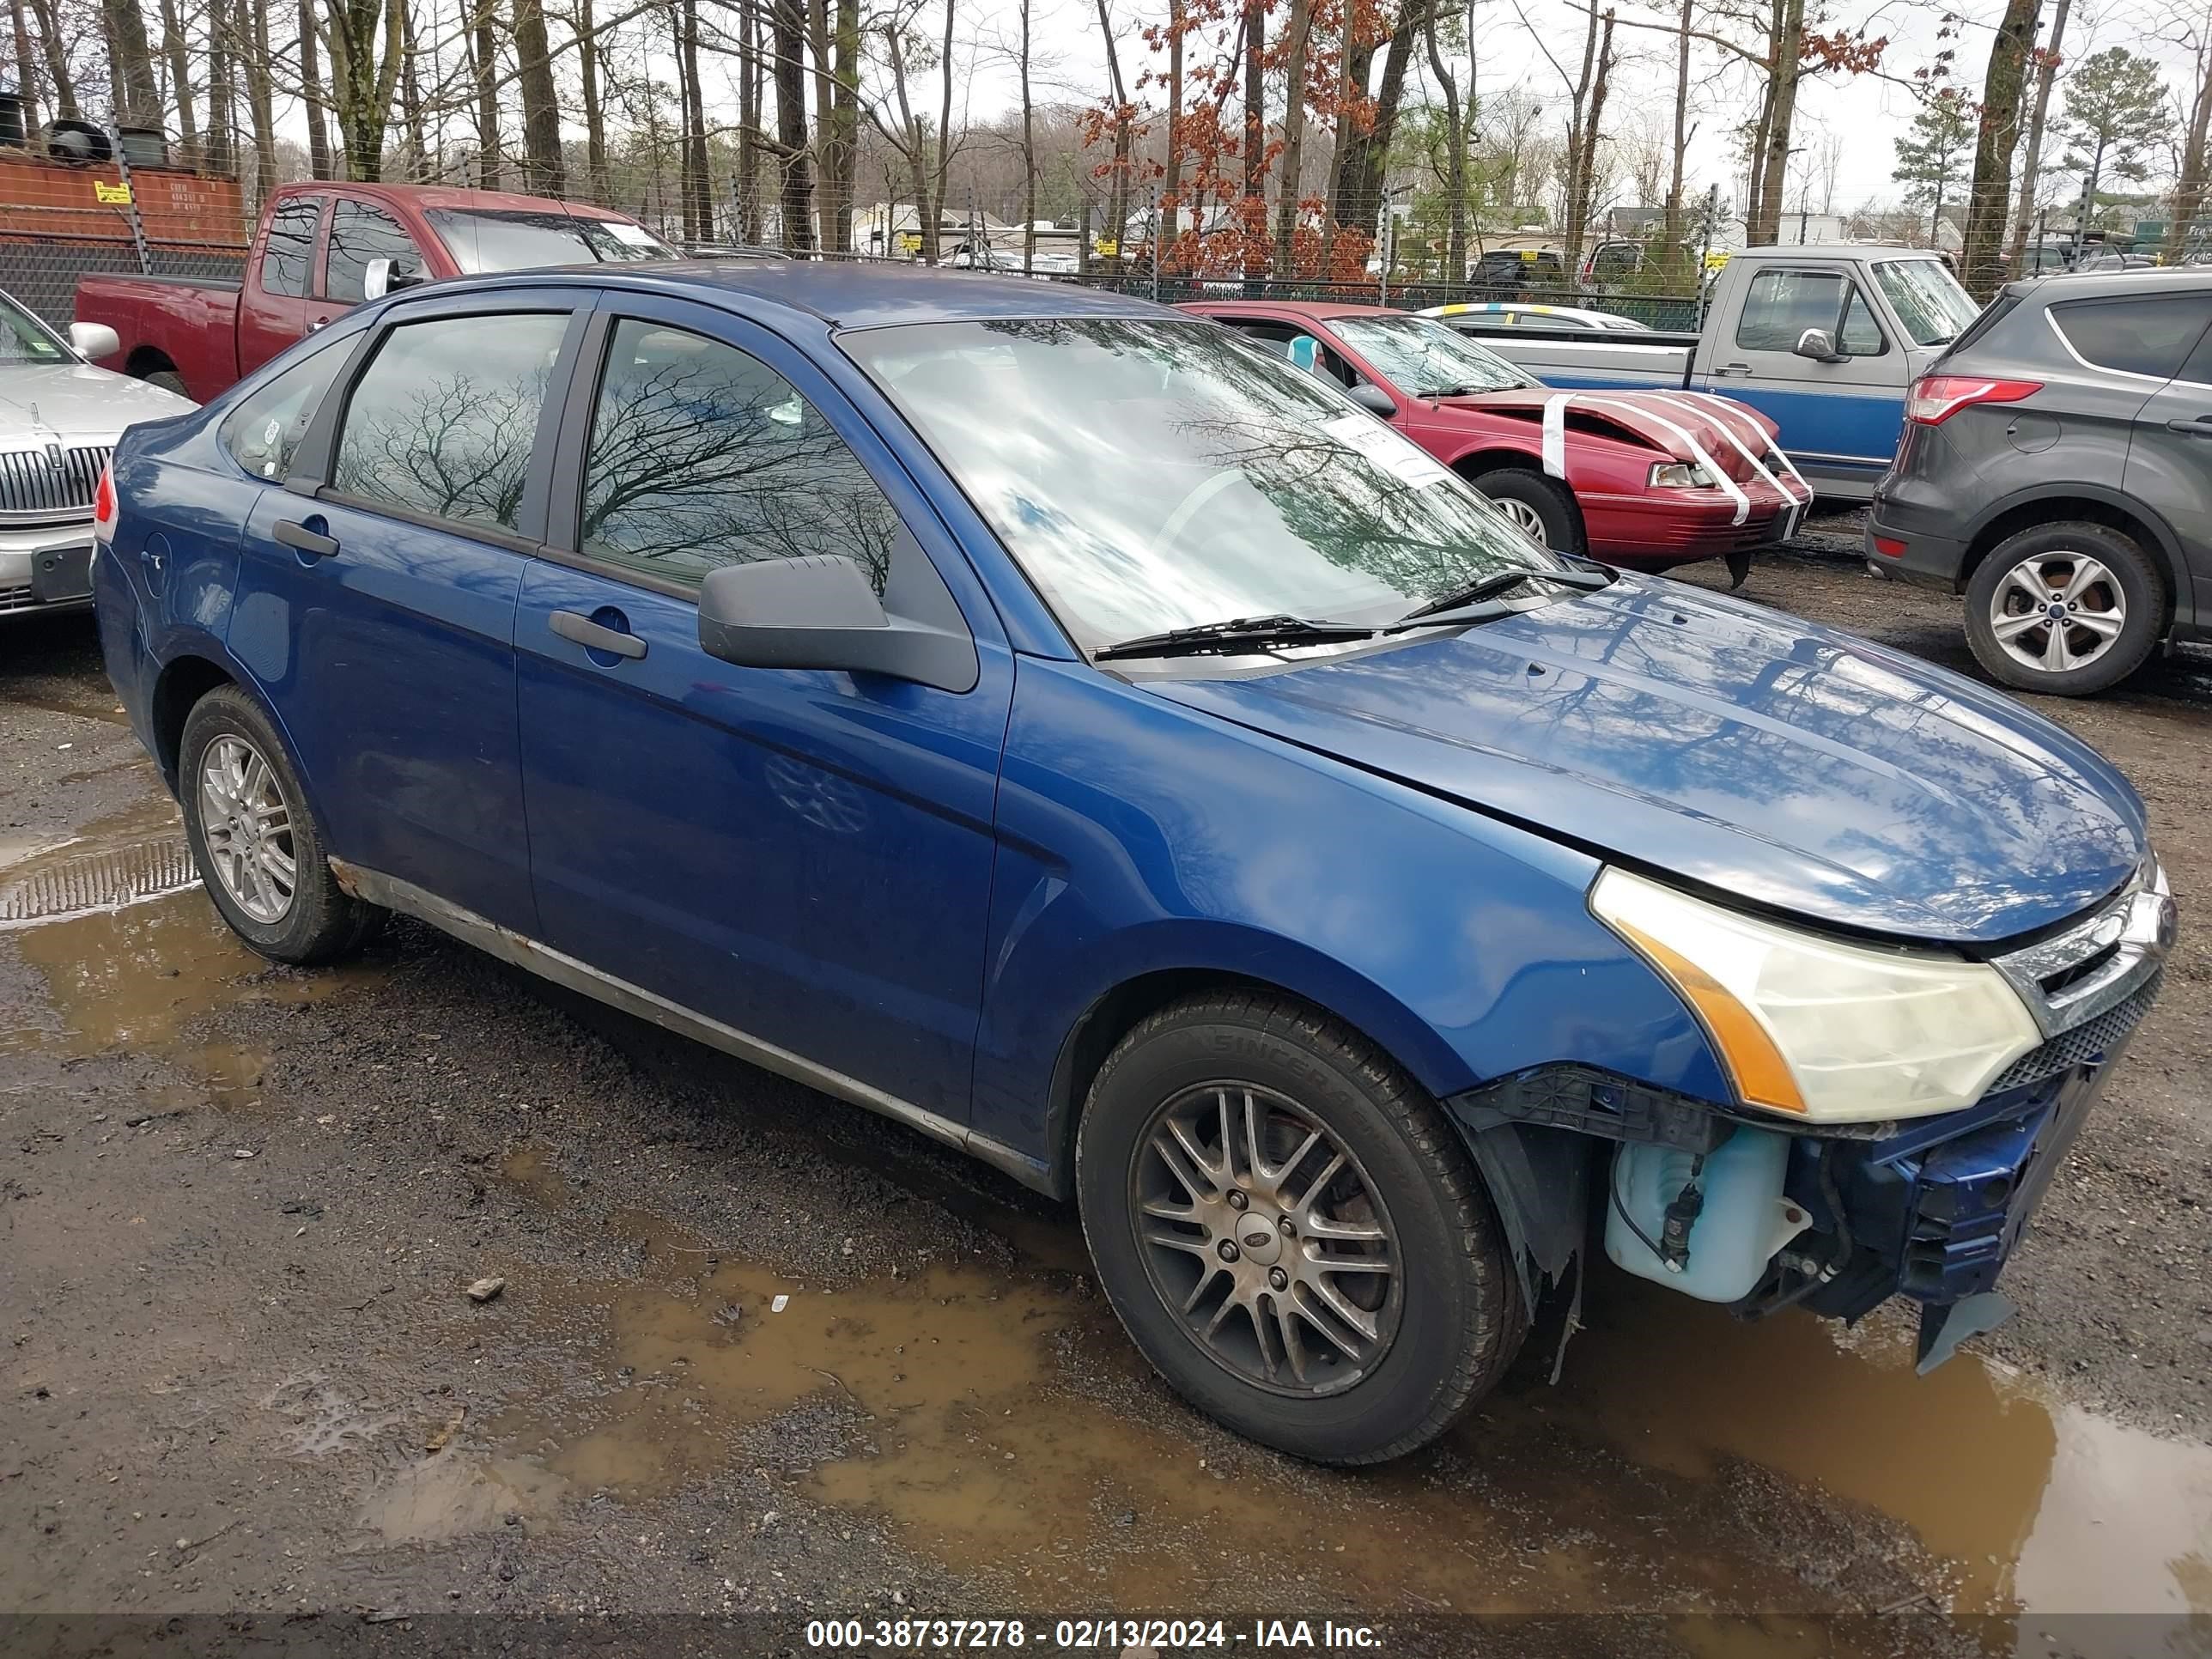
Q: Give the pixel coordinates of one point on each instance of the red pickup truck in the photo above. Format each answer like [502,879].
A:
[324,247]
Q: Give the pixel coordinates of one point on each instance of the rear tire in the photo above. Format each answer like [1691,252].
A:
[168,379]
[257,848]
[1221,1297]
[2116,609]
[1540,508]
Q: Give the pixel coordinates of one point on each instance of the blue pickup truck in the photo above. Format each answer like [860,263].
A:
[1825,341]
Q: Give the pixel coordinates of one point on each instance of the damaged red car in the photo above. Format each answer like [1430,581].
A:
[1645,479]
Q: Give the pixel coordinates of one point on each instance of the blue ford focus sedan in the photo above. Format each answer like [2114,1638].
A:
[1055,723]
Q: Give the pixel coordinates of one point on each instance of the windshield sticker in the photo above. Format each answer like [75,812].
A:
[634,236]
[1387,450]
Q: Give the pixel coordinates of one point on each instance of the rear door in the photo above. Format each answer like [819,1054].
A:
[1840,421]
[803,856]
[377,591]
[2170,451]
[272,303]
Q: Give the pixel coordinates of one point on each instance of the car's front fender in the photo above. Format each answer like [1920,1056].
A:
[1143,843]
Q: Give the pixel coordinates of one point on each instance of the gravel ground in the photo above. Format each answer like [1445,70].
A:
[243,1207]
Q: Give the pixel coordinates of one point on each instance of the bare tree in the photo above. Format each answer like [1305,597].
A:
[483,45]
[1117,91]
[137,99]
[2189,189]
[542,171]
[795,208]
[1455,263]
[181,74]
[1997,136]
[1288,185]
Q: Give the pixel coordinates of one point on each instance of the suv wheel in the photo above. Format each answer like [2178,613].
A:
[1291,1231]
[257,848]
[2068,609]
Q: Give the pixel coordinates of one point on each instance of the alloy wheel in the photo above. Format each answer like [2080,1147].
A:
[1265,1236]
[246,824]
[1523,517]
[2058,610]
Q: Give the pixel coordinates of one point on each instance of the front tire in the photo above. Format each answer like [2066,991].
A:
[2066,609]
[257,848]
[1541,509]
[1291,1231]
[169,381]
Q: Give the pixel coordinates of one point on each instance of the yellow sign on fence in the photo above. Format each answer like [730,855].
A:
[111,195]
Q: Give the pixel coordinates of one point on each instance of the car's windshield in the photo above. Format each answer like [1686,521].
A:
[1927,299]
[25,339]
[1421,356]
[481,239]
[1152,474]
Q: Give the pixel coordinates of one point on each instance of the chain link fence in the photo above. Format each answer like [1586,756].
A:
[64,216]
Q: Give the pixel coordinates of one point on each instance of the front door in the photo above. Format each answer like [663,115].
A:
[803,856]
[272,301]
[376,609]
[1840,421]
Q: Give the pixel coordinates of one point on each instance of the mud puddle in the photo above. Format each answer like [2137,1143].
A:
[138,958]
[1001,1421]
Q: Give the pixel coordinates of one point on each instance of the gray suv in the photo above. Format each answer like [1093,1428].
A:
[2056,470]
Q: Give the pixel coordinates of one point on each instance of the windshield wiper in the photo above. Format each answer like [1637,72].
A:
[1500,582]
[1237,631]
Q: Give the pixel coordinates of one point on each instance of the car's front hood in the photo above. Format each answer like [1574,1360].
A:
[1768,759]
[75,403]
[1687,426]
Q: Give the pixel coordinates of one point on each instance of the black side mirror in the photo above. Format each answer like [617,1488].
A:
[1374,399]
[821,612]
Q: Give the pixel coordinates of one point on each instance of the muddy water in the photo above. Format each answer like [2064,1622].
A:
[974,1445]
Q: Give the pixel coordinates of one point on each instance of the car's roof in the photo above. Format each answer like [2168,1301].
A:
[2115,283]
[1316,310]
[870,294]
[454,196]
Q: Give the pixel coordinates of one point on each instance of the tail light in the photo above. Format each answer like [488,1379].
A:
[103,507]
[1935,398]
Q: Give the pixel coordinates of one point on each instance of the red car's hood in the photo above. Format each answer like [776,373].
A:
[1668,421]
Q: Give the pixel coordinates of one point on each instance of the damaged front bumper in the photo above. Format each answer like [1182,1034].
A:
[1742,1207]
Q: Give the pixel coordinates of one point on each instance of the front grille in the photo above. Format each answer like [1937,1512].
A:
[33,487]
[2090,1041]
[14,598]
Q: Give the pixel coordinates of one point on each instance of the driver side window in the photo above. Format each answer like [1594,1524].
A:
[1781,304]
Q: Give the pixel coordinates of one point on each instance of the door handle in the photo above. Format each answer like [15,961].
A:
[593,637]
[1731,368]
[298,536]
[2195,426]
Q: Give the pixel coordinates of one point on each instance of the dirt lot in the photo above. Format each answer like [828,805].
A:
[759,1353]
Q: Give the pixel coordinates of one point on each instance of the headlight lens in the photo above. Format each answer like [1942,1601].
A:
[1680,475]
[1818,1028]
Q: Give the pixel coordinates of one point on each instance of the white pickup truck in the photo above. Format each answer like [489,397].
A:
[1825,341]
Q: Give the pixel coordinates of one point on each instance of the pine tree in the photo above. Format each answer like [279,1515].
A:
[1931,159]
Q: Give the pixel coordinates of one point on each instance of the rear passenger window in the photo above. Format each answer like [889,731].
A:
[291,246]
[702,456]
[1779,306]
[2136,335]
[264,432]
[444,419]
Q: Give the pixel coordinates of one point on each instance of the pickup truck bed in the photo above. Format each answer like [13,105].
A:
[147,310]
